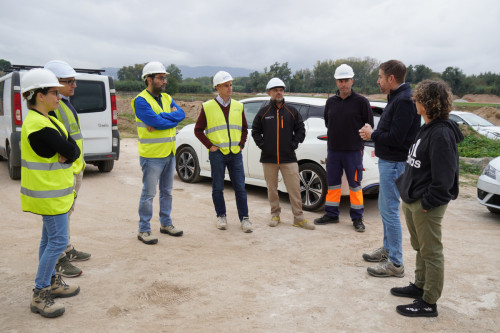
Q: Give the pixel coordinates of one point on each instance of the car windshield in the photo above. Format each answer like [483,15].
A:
[475,120]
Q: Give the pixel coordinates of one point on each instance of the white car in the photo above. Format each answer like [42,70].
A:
[192,160]
[488,186]
[481,125]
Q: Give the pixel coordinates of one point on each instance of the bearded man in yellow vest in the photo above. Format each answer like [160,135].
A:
[156,116]
[222,128]
[67,115]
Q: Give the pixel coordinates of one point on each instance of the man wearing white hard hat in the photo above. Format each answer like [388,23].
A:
[345,114]
[277,130]
[67,115]
[222,128]
[47,154]
[156,116]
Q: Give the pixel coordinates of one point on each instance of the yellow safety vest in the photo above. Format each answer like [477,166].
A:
[223,135]
[159,143]
[46,184]
[72,125]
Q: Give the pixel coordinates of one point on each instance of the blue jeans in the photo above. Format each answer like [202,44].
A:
[52,244]
[234,164]
[388,204]
[154,171]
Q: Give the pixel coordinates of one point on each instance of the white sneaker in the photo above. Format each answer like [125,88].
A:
[221,222]
[246,225]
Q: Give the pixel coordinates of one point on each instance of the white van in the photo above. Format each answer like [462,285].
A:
[95,102]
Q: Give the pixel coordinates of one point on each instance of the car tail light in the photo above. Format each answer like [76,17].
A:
[18,115]
[114,112]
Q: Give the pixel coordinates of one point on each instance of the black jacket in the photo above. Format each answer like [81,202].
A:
[397,127]
[278,132]
[344,118]
[431,172]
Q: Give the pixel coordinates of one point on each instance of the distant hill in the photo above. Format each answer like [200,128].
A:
[193,72]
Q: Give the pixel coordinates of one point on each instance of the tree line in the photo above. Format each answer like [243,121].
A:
[319,79]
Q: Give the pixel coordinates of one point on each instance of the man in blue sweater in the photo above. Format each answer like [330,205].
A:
[396,131]
[156,116]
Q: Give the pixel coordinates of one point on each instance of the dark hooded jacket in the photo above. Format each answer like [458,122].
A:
[431,172]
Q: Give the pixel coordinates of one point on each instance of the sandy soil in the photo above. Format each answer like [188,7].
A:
[280,279]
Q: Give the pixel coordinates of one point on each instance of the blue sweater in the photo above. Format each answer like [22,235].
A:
[160,121]
[397,127]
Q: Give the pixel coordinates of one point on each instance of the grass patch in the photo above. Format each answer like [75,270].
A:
[477,146]
[466,168]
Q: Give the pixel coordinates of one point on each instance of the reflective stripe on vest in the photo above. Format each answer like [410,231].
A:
[223,135]
[46,184]
[159,143]
[72,125]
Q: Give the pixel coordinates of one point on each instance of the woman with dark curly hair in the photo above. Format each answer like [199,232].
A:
[428,184]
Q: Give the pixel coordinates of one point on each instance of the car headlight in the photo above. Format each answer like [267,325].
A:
[490,172]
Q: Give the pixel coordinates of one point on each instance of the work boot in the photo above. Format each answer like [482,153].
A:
[66,269]
[147,238]
[358,225]
[221,222]
[304,224]
[411,291]
[380,254]
[387,269]
[246,225]
[325,219]
[171,230]
[59,288]
[275,220]
[75,255]
[43,303]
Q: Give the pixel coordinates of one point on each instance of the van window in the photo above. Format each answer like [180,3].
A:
[90,96]
[301,108]
[1,97]
[251,109]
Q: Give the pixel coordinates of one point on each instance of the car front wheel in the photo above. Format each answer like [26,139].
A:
[313,186]
[187,166]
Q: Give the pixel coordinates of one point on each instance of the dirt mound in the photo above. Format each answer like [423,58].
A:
[377,97]
[483,98]
[191,109]
[489,113]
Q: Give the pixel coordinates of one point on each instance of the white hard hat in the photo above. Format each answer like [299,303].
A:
[38,78]
[275,82]
[61,69]
[222,77]
[344,72]
[153,67]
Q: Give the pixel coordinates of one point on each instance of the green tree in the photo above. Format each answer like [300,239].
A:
[131,73]
[324,80]
[175,72]
[302,81]
[4,65]
[282,72]
[456,79]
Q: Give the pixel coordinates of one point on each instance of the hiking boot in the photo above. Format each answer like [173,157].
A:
[419,308]
[43,303]
[379,254]
[325,219]
[147,238]
[75,255]
[358,225]
[66,269]
[304,224]
[221,222]
[246,225]
[59,288]
[387,269]
[275,220]
[411,291]
[171,230]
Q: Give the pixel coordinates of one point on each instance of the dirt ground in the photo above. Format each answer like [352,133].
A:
[281,279]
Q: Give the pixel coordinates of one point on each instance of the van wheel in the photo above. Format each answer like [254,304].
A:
[105,166]
[313,186]
[14,171]
[187,166]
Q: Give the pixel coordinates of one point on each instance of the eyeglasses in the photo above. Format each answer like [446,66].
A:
[161,78]
[55,92]
[68,82]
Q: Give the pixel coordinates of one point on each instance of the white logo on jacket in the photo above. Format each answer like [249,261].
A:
[412,155]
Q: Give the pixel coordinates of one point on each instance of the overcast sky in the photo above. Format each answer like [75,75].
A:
[252,34]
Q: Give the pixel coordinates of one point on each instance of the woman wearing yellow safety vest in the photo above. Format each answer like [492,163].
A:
[47,154]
